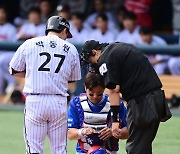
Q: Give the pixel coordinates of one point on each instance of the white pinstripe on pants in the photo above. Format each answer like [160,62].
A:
[45,115]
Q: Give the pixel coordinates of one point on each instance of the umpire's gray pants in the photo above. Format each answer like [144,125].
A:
[143,118]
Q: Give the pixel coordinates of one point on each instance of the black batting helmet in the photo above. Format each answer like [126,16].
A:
[57,24]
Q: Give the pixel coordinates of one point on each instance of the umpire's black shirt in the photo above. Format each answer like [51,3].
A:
[123,64]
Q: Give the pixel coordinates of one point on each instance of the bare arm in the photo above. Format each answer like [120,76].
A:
[114,97]
[20,74]
[75,134]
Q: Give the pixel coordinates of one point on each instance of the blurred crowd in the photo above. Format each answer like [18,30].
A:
[129,21]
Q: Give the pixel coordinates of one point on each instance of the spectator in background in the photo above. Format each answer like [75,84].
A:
[79,32]
[100,8]
[142,10]
[46,10]
[102,33]
[25,5]
[176,17]
[18,22]
[120,16]
[64,11]
[159,62]
[130,34]
[114,5]
[34,27]
[7,33]
[7,30]
[82,6]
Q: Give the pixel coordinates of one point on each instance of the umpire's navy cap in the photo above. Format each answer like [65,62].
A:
[90,45]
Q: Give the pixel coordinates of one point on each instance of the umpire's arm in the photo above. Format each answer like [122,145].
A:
[114,97]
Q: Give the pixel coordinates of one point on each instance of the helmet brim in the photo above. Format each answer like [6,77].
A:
[69,34]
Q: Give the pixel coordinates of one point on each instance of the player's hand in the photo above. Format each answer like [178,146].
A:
[105,133]
[87,131]
[116,131]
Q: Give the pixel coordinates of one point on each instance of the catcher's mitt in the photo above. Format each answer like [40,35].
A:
[93,139]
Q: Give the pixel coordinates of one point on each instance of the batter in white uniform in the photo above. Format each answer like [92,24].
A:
[48,63]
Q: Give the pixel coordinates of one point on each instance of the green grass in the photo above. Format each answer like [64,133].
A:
[12,142]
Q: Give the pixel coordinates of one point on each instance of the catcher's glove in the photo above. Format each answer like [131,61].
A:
[93,139]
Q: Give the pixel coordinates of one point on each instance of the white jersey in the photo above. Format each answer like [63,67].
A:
[156,40]
[91,21]
[79,37]
[49,62]
[161,66]
[32,30]
[127,37]
[108,37]
[7,33]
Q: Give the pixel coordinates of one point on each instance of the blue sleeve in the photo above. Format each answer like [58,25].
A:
[73,116]
[122,114]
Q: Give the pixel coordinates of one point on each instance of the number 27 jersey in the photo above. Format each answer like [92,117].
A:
[49,63]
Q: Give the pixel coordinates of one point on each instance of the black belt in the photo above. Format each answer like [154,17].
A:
[43,94]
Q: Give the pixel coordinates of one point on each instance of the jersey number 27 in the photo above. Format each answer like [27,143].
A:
[48,59]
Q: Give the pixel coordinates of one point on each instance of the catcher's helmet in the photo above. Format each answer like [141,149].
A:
[58,23]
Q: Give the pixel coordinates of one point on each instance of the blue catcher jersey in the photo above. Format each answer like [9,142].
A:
[82,113]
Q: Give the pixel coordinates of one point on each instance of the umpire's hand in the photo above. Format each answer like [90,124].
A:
[105,133]
[116,131]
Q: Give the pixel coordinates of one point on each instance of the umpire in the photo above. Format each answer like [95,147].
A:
[126,70]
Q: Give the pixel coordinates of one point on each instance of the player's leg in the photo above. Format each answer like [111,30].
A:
[174,65]
[35,124]
[4,65]
[1,82]
[57,126]
[160,68]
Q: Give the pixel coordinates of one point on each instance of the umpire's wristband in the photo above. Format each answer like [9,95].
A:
[115,113]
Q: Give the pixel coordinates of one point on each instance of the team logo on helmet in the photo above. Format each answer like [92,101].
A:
[64,24]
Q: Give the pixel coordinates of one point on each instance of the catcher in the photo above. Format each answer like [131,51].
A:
[89,118]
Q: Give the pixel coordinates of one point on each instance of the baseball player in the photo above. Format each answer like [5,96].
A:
[79,31]
[48,63]
[102,33]
[130,33]
[7,33]
[90,113]
[159,62]
[34,27]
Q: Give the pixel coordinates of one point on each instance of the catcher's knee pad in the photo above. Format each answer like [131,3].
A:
[96,150]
